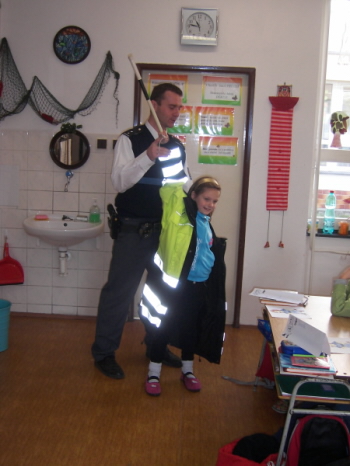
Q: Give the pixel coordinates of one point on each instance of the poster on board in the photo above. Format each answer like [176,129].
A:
[217,150]
[215,121]
[219,90]
[180,81]
[183,124]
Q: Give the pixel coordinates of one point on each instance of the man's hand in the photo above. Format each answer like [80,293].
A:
[155,150]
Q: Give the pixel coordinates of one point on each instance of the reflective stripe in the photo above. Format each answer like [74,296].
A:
[160,182]
[154,300]
[170,180]
[153,320]
[172,170]
[174,154]
[171,281]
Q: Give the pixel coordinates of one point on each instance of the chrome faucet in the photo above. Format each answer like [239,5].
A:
[69,175]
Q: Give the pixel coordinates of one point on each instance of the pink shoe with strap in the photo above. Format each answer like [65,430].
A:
[152,386]
[191,383]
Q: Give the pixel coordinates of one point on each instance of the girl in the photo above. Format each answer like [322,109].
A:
[184,297]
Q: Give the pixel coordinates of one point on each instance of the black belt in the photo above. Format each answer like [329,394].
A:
[144,229]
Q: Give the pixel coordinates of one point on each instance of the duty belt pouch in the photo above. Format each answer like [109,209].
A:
[113,222]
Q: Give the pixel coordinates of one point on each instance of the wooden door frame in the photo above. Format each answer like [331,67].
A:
[250,73]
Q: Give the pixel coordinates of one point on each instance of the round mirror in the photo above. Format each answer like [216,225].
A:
[69,150]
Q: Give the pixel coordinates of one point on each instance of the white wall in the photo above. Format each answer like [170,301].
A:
[281,39]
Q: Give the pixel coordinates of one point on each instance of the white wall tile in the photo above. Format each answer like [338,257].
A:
[95,164]
[7,139]
[88,297]
[65,297]
[20,141]
[65,310]
[39,308]
[40,180]
[15,293]
[87,311]
[40,160]
[90,260]
[16,237]
[60,181]
[90,279]
[39,257]
[63,281]
[13,218]
[92,183]
[38,276]
[40,200]
[110,188]
[39,139]
[66,201]
[18,307]
[42,185]
[39,294]
[23,199]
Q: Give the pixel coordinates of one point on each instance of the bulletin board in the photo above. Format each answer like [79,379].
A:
[215,125]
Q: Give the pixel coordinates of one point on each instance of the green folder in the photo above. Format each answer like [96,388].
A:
[317,389]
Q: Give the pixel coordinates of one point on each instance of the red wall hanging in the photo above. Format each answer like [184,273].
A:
[279,153]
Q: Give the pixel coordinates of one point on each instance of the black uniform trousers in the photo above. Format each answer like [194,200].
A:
[131,255]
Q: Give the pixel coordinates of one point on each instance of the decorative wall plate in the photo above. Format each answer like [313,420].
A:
[71,45]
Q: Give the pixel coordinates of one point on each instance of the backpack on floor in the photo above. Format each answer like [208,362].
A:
[318,440]
[252,450]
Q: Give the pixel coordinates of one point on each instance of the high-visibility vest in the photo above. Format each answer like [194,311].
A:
[176,233]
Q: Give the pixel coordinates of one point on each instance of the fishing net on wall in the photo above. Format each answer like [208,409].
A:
[14,96]
[13,93]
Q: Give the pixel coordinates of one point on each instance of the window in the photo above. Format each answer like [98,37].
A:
[334,171]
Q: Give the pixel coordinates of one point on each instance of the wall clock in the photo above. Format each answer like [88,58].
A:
[199,26]
[71,45]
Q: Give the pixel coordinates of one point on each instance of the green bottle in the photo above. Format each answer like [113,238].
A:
[94,216]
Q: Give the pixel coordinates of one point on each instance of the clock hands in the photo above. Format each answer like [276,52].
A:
[196,25]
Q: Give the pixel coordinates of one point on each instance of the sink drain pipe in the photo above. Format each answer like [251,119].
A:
[64,255]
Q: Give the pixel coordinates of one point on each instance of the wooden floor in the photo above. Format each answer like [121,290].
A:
[57,409]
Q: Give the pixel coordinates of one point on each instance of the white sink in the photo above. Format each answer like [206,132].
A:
[62,233]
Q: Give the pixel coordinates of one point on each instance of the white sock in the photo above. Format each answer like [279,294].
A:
[187,366]
[154,369]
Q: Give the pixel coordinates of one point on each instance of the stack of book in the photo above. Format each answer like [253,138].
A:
[307,365]
[279,297]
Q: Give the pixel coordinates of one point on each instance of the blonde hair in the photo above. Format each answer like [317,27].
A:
[202,183]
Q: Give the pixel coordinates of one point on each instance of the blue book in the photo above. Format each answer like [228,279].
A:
[287,347]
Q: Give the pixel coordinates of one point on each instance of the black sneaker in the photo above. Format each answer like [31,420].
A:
[170,359]
[109,367]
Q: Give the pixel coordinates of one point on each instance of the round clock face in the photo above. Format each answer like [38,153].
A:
[199,24]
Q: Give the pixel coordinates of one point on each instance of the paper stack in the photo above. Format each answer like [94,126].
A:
[279,297]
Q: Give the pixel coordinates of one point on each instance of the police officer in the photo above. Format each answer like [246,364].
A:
[142,159]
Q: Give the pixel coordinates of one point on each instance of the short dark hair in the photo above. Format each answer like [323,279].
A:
[160,89]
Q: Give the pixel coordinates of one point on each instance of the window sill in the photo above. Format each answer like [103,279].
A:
[333,235]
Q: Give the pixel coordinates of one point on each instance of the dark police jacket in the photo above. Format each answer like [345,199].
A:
[142,199]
